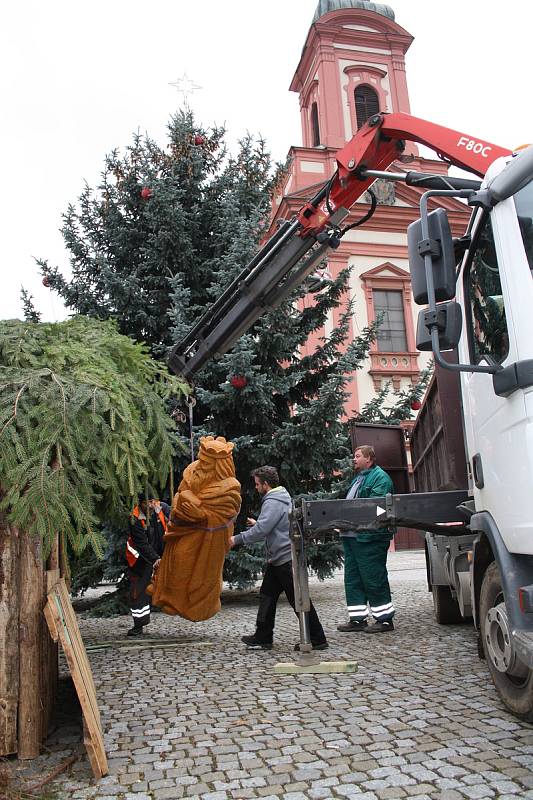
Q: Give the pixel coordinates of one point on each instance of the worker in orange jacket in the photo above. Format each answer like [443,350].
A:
[144,548]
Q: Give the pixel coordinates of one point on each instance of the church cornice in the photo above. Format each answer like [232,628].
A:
[385,271]
[342,27]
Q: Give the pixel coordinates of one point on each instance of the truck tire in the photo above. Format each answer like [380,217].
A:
[445,606]
[512,678]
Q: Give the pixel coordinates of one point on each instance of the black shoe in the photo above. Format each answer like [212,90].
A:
[135,631]
[381,627]
[318,646]
[255,644]
[353,627]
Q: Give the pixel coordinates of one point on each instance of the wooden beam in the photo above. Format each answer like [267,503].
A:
[30,647]
[9,632]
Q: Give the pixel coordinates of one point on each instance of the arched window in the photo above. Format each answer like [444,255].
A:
[315,128]
[366,104]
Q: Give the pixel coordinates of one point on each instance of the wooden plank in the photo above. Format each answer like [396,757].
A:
[9,649]
[50,621]
[30,647]
[50,661]
[52,577]
[65,621]
[78,646]
[50,648]
[61,618]
[76,656]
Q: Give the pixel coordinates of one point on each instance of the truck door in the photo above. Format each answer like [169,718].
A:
[498,315]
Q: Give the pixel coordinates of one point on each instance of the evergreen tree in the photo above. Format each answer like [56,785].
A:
[391,408]
[30,312]
[83,427]
[160,237]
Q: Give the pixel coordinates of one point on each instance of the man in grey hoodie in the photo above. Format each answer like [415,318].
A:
[272,527]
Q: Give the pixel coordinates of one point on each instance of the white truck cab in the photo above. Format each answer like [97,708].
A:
[490,321]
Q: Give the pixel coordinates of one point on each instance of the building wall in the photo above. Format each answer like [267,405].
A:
[346,48]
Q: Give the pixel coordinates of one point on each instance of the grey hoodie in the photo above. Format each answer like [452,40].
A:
[272,526]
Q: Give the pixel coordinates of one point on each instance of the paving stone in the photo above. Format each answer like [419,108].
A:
[419,720]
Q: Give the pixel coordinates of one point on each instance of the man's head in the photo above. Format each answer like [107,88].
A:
[143,503]
[364,457]
[265,479]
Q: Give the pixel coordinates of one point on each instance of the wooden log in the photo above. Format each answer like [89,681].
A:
[30,723]
[9,632]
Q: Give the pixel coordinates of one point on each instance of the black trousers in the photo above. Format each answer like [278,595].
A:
[140,577]
[275,581]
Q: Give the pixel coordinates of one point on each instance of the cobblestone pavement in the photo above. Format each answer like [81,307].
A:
[209,719]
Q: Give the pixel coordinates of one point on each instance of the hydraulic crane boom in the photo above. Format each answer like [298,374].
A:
[291,254]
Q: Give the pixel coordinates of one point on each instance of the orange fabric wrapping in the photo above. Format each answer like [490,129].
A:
[188,581]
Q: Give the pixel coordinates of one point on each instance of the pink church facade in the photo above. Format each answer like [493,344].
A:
[352,65]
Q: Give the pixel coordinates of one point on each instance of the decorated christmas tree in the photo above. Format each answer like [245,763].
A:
[158,239]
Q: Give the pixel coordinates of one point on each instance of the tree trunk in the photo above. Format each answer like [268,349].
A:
[30,644]
[9,634]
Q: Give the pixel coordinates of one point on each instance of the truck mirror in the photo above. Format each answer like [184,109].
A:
[449,321]
[440,246]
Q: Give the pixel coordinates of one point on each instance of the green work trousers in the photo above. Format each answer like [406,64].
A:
[366,582]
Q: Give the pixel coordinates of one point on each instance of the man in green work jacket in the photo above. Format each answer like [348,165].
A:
[366,582]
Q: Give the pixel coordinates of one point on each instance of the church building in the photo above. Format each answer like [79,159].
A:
[353,65]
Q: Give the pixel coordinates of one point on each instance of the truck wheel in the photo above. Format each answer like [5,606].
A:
[445,606]
[512,678]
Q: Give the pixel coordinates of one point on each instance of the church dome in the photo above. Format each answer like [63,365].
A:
[325,6]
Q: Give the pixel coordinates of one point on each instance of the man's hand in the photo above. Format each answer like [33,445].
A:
[231,542]
[155,566]
[250,521]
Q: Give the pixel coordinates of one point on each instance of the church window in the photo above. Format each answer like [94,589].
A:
[388,307]
[366,104]
[315,128]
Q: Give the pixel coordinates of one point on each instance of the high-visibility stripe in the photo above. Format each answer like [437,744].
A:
[388,613]
[357,608]
[143,612]
[382,608]
[132,550]
[358,614]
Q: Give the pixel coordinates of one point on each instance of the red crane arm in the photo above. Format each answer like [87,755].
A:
[380,142]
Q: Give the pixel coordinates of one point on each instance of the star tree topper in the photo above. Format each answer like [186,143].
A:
[185,86]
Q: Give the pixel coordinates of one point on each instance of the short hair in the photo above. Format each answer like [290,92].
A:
[368,451]
[267,475]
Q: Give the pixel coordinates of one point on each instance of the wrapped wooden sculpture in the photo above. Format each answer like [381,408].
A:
[188,581]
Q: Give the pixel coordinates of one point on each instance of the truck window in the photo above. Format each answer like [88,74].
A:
[487,325]
[524,209]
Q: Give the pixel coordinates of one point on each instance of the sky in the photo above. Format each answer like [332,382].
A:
[78,78]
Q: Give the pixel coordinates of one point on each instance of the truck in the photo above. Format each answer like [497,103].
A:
[476,296]
[437,448]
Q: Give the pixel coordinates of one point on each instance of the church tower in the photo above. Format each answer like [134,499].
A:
[352,66]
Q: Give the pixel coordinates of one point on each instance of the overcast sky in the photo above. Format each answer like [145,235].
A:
[77,78]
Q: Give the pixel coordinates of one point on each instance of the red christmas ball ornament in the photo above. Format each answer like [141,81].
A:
[199,140]
[416,405]
[146,193]
[46,281]
[238,381]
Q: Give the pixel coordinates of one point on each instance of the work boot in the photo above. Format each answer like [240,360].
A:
[318,646]
[353,627]
[380,627]
[255,644]
[135,631]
